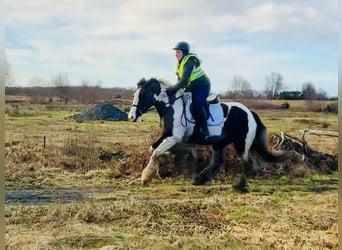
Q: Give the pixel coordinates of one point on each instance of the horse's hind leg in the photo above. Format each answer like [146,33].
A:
[239,178]
[206,175]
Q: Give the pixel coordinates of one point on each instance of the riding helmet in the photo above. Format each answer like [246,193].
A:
[183,46]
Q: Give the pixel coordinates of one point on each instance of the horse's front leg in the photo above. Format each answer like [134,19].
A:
[152,166]
[157,142]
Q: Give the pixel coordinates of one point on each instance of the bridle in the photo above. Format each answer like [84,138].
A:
[141,110]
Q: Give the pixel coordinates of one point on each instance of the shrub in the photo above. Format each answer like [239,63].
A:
[285,105]
[331,108]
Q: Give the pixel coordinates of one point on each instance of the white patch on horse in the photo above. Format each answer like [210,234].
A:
[162,97]
[133,112]
[179,127]
[252,126]
[136,97]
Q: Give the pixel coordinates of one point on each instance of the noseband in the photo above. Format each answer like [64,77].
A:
[141,110]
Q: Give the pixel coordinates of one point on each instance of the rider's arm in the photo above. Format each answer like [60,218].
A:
[188,68]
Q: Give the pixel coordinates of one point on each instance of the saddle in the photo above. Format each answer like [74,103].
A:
[213,109]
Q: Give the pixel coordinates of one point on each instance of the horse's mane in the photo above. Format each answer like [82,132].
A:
[143,82]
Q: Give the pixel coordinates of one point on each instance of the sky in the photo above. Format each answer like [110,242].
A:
[116,43]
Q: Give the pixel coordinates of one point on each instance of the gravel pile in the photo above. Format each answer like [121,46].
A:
[102,112]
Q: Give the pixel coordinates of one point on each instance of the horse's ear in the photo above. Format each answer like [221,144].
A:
[142,82]
[152,80]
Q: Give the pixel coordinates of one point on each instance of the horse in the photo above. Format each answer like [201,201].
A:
[228,122]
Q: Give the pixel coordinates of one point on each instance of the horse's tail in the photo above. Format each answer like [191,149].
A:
[260,144]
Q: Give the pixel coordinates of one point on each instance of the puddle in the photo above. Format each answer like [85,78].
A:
[39,196]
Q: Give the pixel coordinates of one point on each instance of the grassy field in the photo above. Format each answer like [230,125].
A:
[46,150]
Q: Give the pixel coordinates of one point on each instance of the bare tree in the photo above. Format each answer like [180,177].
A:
[274,84]
[309,91]
[37,91]
[240,87]
[321,94]
[309,94]
[61,82]
[85,92]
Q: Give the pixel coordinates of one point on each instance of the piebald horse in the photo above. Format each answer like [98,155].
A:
[229,122]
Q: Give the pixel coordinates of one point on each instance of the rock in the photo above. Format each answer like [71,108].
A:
[102,112]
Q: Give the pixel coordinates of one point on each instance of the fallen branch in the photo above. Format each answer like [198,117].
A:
[319,133]
[313,159]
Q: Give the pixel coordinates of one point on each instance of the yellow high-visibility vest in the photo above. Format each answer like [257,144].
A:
[196,73]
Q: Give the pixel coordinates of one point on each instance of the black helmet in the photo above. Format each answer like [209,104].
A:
[183,46]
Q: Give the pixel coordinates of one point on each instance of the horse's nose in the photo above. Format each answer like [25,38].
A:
[130,116]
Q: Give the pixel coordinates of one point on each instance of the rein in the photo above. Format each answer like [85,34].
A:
[185,123]
[184,115]
[142,110]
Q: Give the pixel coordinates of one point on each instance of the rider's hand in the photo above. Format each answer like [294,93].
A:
[171,91]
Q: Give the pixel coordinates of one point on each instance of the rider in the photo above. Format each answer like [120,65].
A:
[191,77]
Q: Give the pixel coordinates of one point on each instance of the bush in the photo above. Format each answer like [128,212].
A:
[331,108]
[285,105]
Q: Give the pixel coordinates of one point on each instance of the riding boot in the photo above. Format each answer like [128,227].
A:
[200,132]
[204,129]
[202,122]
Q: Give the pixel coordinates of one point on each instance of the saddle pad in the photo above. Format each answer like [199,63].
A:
[215,117]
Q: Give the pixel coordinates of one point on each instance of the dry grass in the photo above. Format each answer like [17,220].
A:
[179,217]
[279,213]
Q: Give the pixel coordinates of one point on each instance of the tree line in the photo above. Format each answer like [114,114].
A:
[88,92]
[43,91]
[274,89]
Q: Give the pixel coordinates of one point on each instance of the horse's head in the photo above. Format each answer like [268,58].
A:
[145,97]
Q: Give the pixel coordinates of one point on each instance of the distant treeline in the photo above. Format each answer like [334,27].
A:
[83,94]
[94,94]
[283,95]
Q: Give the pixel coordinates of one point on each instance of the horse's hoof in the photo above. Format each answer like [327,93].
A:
[241,189]
[201,180]
[146,176]
[208,183]
[145,182]
[240,183]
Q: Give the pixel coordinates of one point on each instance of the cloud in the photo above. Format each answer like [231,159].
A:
[119,42]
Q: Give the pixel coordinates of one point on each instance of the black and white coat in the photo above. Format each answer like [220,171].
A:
[239,126]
